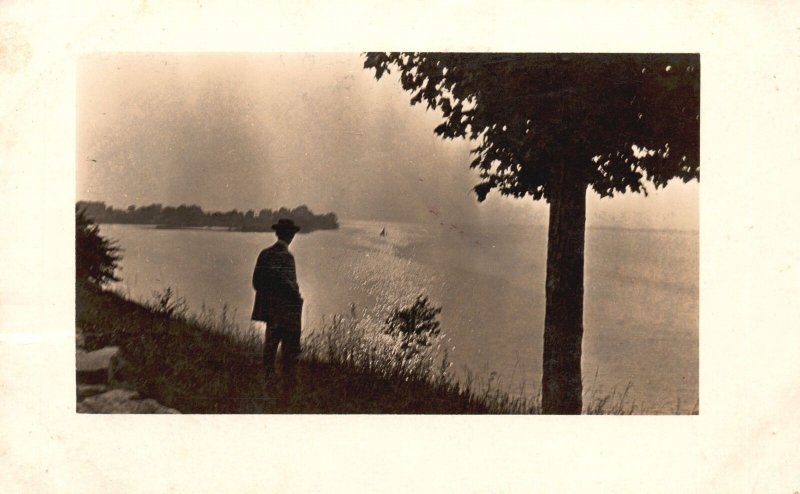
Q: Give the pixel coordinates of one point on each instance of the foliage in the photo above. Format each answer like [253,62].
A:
[354,342]
[96,257]
[622,119]
[415,325]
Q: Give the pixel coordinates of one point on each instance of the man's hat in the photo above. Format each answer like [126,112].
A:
[284,225]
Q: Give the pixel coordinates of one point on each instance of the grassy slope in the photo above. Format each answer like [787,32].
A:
[195,367]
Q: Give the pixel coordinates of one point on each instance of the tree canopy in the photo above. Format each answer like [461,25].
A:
[606,114]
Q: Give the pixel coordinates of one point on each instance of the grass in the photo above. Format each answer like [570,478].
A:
[206,364]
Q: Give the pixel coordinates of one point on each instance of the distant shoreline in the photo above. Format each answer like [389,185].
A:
[193,217]
[224,229]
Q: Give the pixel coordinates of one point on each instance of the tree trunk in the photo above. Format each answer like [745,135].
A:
[563,327]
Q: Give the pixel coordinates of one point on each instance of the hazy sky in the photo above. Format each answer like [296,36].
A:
[252,131]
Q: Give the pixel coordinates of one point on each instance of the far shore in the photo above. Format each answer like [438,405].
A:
[214,228]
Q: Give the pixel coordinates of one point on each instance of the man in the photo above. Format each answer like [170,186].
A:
[278,301]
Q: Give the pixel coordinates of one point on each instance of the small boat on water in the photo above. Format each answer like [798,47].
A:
[383,232]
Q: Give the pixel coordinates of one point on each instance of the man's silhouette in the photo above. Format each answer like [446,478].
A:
[278,301]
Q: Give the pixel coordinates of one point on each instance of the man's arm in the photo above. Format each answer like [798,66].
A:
[275,273]
[261,272]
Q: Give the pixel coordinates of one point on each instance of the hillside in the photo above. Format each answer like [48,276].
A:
[201,365]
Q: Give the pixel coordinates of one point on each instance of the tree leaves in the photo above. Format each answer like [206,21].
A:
[482,190]
[530,112]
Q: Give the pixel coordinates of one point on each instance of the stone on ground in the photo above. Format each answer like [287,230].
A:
[121,401]
[96,367]
[86,390]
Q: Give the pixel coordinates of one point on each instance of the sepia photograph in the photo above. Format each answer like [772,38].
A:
[445,247]
[387,233]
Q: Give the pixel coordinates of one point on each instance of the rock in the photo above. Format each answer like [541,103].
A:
[109,402]
[95,367]
[152,406]
[87,390]
[95,371]
[121,401]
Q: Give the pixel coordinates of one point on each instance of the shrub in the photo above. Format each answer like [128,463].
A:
[361,344]
[96,257]
[415,325]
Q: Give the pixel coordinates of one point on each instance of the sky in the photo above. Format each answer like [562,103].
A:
[251,131]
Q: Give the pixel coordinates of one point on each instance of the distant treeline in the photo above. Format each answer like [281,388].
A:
[193,217]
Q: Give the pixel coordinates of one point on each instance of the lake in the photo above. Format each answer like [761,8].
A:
[640,310]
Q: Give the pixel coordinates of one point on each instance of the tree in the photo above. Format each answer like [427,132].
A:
[550,126]
[96,257]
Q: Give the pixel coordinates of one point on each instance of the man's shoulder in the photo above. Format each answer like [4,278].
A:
[277,249]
